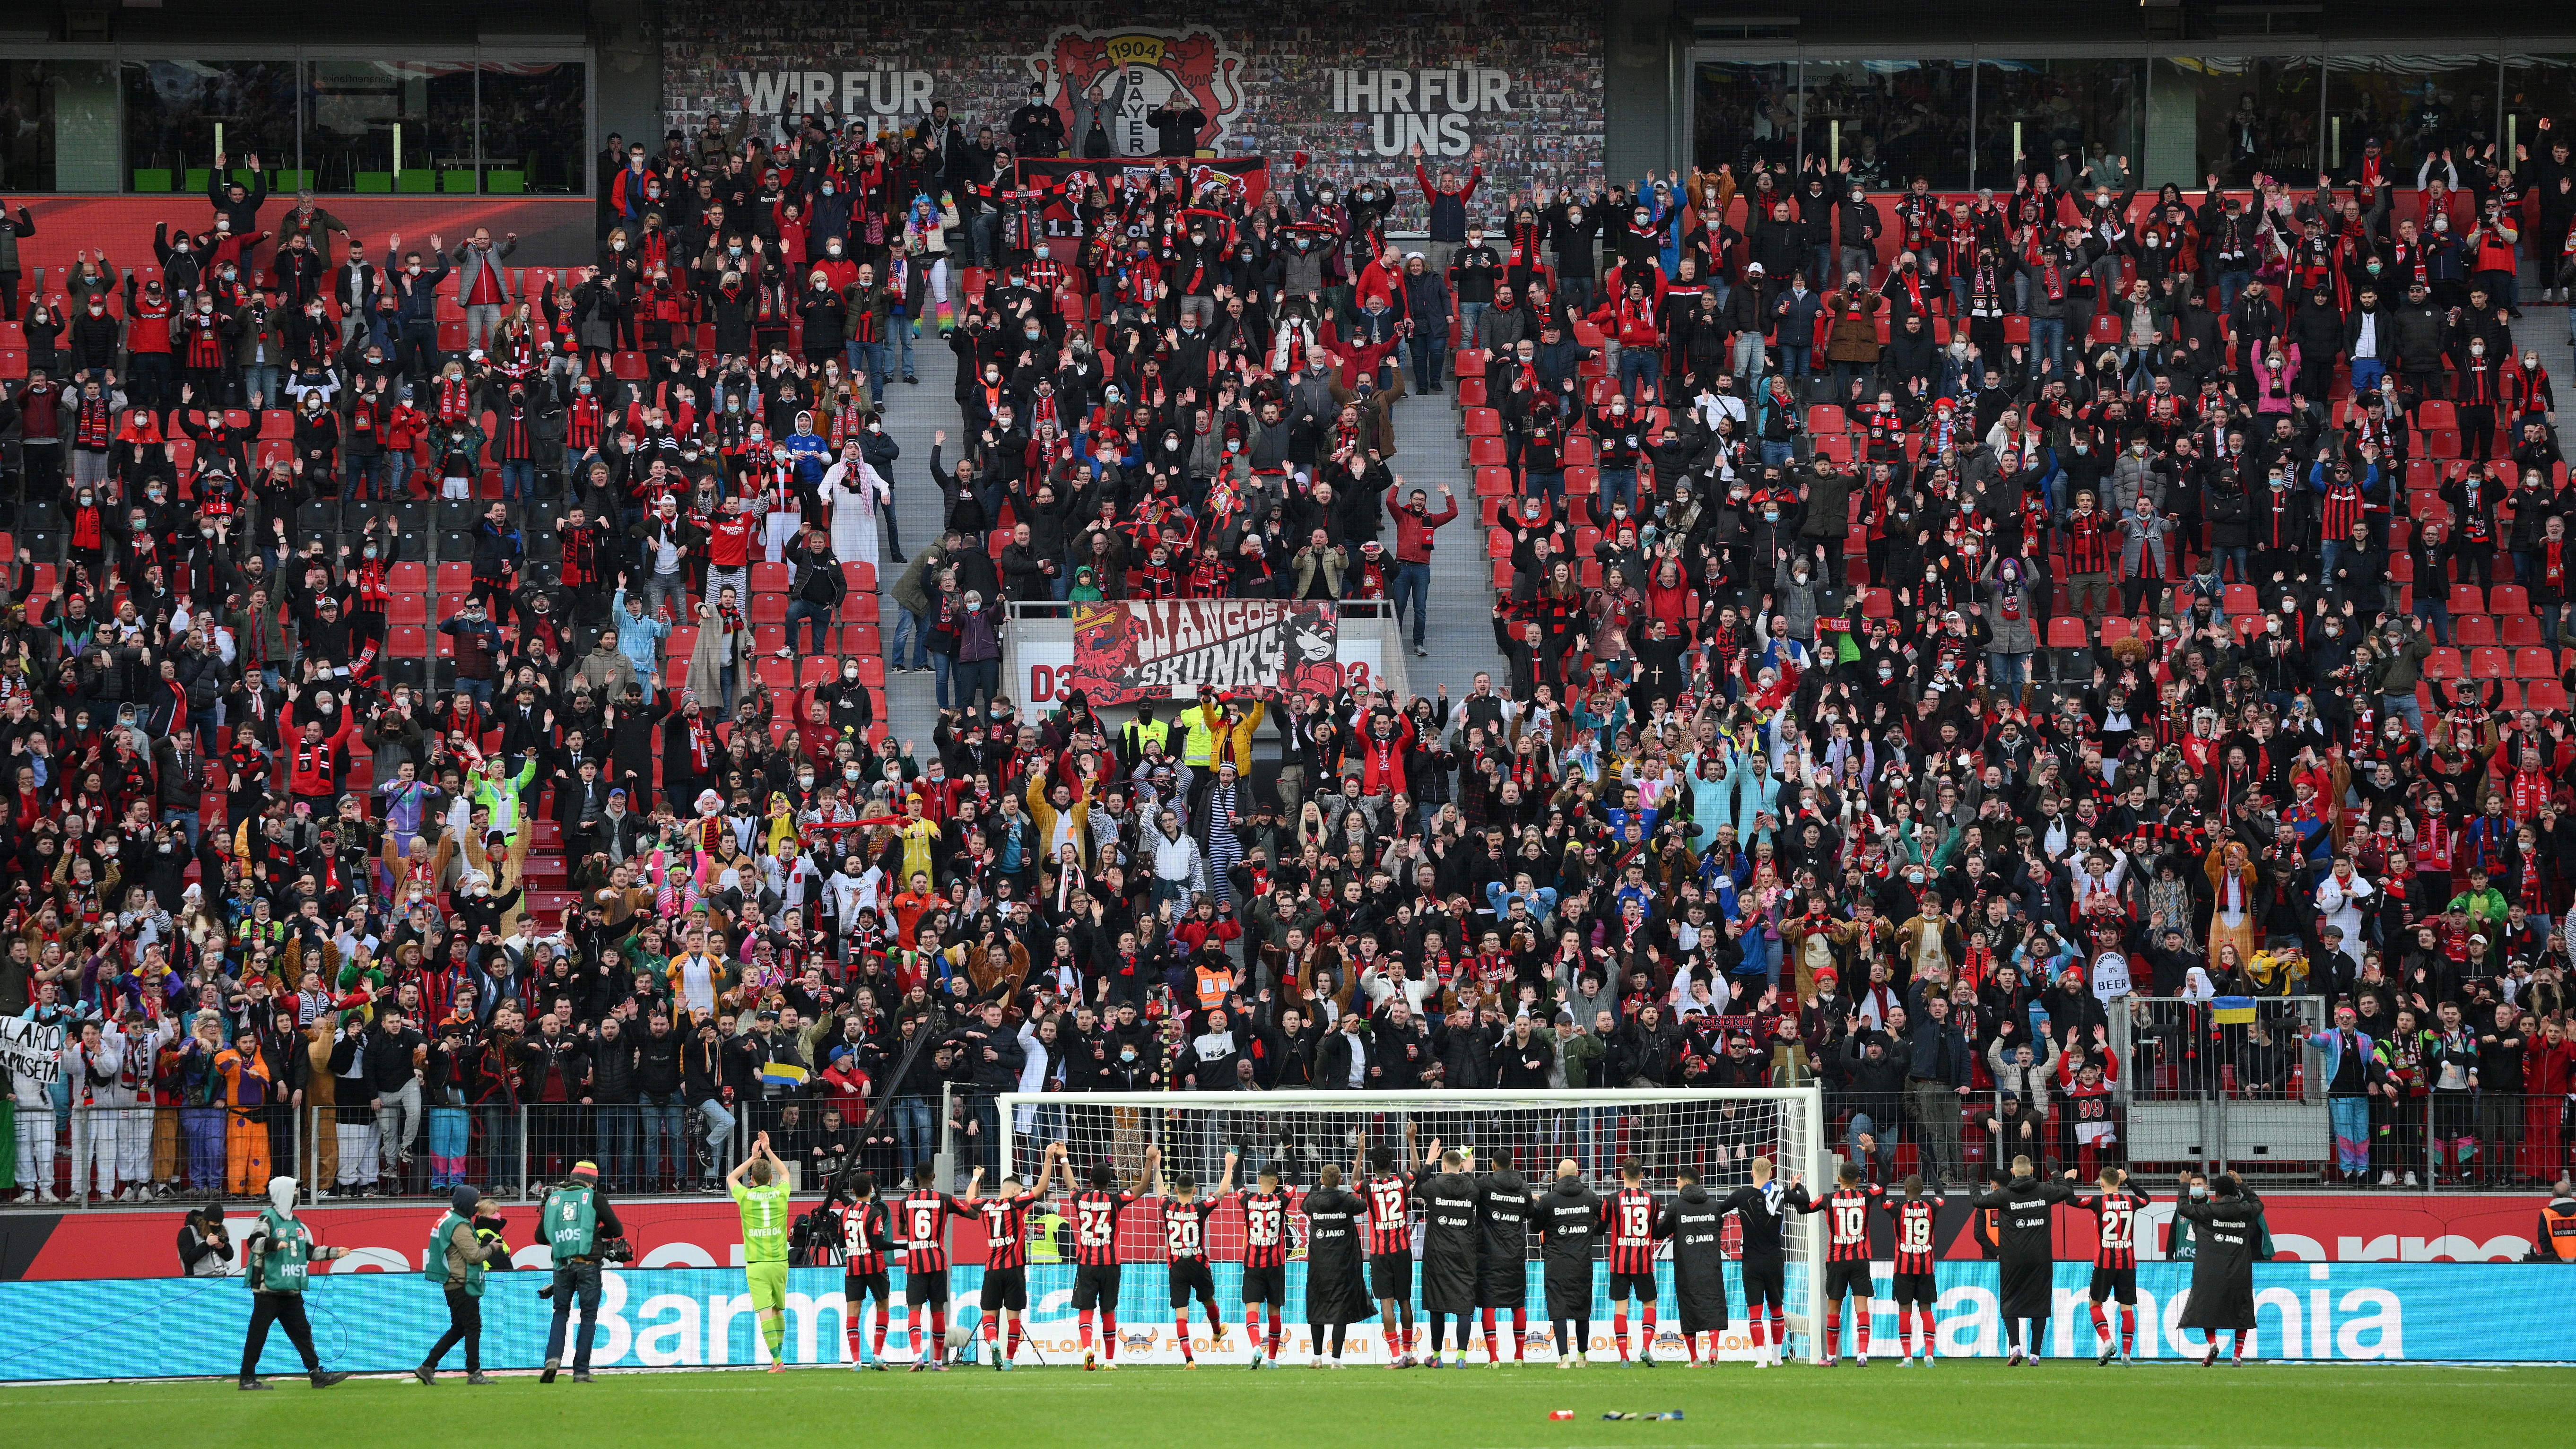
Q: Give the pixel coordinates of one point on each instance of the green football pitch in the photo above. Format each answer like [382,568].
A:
[1958,1405]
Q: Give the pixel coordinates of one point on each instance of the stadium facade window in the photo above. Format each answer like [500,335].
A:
[535,126]
[2233,116]
[2536,86]
[379,126]
[1743,114]
[1892,119]
[2062,117]
[58,126]
[2414,105]
[179,113]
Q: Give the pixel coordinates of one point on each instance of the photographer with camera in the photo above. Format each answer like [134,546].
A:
[277,1266]
[464,1244]
[205,1246]
[583,1231]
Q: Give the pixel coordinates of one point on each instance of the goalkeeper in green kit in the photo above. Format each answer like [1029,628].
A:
[759,1186]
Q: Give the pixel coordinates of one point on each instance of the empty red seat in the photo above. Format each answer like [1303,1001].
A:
[770,578]
[2442,664]
[2473,631]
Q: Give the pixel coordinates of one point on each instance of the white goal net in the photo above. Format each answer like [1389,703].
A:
[1716,1134]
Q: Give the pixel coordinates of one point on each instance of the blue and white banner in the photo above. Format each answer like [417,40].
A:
[384,1321]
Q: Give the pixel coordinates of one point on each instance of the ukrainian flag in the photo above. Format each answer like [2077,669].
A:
[788,1074]
[2231,1010]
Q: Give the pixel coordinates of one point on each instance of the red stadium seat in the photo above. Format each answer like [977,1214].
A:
[2473,631]
[2535,663]
[770,578]
[2519,630]
[768,609]
[2545,695]
[1485,452]
[2490,664]
[2066,632]
[1483,423]
[2466,599]
[860,576]
[1471,392]
[2507,599]
[2442,664]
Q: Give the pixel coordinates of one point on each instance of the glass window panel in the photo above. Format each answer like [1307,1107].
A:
[2415,106]
[173,109]
[58,126]
[2537,88]
[361,116]
[1744,113]
[2078,121]
[1893,119]
[2232,116]
[534,126]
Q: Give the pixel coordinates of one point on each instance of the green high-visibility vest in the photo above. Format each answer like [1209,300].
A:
[434,1266]
[571,1219]
[285,1255]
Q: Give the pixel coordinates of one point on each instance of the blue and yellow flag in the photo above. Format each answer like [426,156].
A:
[2231,1010]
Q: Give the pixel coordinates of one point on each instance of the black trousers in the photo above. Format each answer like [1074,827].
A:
[465,1326]
[286,1310]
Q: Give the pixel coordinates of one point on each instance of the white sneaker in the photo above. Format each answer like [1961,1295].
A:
[1314,1360]
[2410,1180]
[2387,1177]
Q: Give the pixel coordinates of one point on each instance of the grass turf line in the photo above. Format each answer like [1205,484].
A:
[1958,1405]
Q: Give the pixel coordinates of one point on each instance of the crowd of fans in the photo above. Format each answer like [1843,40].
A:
[433,692]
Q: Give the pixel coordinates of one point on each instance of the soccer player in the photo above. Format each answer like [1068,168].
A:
[1502,1253]
[865,1235]
[1694,1223]
[1336,1289]
[1916,1214]
[1760,1209]
[1390,1251]
[1006,1259]
[1846,1258]
[1448,1198]
[766,1216]
[1095,1255]
[2025,1254]
[1630,1219]
[1185,1216]
[920,1217]
[2115,1258]
[1265,1261]
[2225,1229]
[1569,1219]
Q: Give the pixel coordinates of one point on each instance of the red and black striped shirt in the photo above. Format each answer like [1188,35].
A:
[1915,1221]
[864,1239]
[1095,1226]
[1006,1230]
[1265,1229]
[1185,1228]
[2115,1245]
[922,1212]
[1628,1220]
[1390,1201]
[1846,1222]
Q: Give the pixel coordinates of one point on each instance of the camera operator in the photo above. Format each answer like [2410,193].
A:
[583,1230]
[205,1245]
[466,1241]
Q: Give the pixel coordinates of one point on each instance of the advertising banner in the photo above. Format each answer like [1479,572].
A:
[678,1233]
[382,1321]
[1521,83]
[1130,651]
[32,1050]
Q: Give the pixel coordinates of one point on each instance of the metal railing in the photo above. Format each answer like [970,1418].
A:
[1053,609]
[2223,1087]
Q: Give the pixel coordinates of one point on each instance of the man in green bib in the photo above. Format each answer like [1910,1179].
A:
[277,1262]
[759,1186]
[576,1222]
[460,1247]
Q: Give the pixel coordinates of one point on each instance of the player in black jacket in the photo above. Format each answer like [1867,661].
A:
[2027,1252]
[1759,1211]
[1336,1292]
[2228,1227]
[1569,1220]
[1449,1240]
[1694,1223]
[1502,1252]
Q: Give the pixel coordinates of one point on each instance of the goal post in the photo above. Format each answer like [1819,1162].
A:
[1716,1133]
